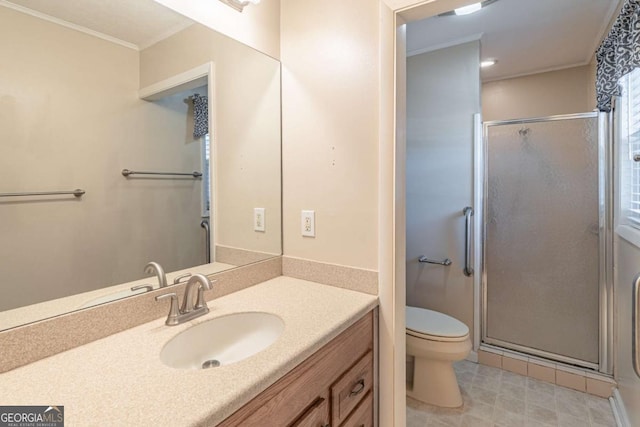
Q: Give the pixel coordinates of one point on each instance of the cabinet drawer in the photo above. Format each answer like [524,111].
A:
[351,388]
[363,414]
[316,416]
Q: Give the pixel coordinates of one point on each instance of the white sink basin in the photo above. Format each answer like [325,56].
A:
[222,341]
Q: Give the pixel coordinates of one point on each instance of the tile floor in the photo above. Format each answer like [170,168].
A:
[493,398]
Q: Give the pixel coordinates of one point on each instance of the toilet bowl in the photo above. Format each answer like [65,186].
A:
[435,340]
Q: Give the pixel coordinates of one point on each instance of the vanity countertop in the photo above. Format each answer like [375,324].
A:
[120,380]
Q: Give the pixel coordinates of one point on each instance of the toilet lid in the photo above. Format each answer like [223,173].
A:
[429,322]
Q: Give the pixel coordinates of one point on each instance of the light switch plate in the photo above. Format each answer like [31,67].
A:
[258,219]
[309,223]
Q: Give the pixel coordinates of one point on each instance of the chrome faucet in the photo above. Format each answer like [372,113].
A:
[203,284]
[188,310]
[154,267]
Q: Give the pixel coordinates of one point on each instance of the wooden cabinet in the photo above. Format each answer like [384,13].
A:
[362,416]
[332,388]
[316,415]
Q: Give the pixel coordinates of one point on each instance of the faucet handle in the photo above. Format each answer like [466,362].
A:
[182,276]
[172,318]
[149,288]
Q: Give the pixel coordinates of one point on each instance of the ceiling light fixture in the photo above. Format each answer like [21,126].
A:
[468,10]
[488,63]
[239,5]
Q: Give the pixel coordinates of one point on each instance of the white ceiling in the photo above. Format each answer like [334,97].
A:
[525,36]
[139,23]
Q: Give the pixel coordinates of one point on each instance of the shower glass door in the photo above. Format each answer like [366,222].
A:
[542,218]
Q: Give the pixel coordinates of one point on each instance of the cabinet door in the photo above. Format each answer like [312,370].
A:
[316,416]
[362,416]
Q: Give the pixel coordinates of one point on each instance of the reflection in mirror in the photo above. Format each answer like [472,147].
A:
[92,89]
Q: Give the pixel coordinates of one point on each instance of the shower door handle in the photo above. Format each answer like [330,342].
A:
[468,213]
[635,328]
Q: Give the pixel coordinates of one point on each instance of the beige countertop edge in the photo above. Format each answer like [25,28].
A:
[120,380]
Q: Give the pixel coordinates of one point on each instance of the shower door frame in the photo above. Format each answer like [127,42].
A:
[605,245]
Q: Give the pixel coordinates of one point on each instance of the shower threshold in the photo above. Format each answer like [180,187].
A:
[534,356]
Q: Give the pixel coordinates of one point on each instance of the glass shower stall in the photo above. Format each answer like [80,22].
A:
[546,252]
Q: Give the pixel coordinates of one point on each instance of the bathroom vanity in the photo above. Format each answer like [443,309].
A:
[320,370]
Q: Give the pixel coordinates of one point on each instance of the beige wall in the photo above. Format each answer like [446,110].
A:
[339,156]
[330,113]
[443,94]
[246,129]
[257,26]
[591,85]
[571,90]
[70,117]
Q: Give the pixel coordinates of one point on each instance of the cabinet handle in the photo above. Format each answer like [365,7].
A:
[316,403]
[306,416]
[357,389]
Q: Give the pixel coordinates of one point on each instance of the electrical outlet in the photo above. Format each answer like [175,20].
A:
[309,223]
[258,219]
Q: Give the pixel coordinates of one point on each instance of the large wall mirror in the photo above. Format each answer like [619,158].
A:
[89,89]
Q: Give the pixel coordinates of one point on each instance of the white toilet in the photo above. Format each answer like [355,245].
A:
[435,340]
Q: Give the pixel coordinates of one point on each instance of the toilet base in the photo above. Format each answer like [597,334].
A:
[437,383]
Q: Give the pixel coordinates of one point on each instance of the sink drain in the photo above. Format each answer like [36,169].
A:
[210,364]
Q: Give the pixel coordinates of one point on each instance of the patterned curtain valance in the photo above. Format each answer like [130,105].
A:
[618,54]
[200,115]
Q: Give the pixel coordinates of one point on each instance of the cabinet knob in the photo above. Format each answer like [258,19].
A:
[357,389]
